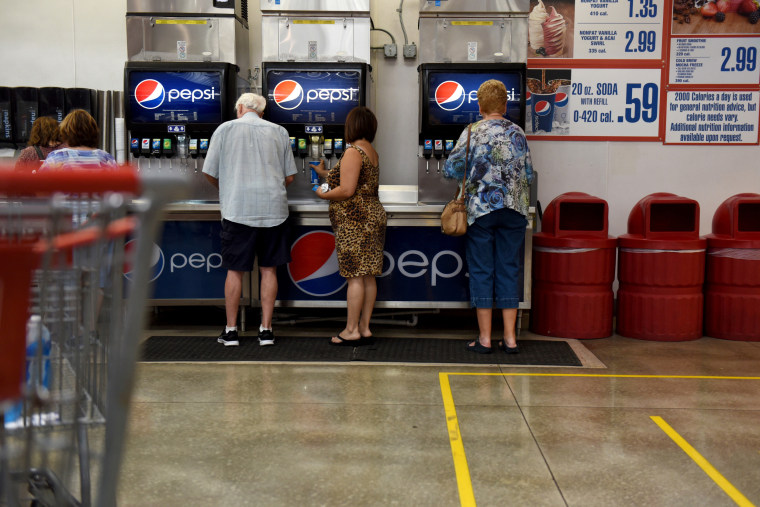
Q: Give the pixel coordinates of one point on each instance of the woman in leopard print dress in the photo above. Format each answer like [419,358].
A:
[358,220]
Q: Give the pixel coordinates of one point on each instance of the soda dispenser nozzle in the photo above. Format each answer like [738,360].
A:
[182,146]
[327,151]
[448,146]
[302,152]
[134,146]
[192,148]
[427,152]
[438,152]
[338,147]
[315,146]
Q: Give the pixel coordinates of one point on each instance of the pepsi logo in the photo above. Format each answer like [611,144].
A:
[449,95]
[561,99]
[150,94]
[157,261]
[528,96]
[288,94]
[314,265]
[543,108]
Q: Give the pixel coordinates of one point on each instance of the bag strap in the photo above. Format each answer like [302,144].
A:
[460,192]
[39,152]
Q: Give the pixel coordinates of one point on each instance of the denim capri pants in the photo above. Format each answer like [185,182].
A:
[494,250]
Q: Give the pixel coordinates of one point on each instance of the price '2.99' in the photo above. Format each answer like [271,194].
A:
[647,42]
[746,59]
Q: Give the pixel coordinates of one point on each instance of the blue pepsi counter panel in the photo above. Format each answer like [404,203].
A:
[422,268]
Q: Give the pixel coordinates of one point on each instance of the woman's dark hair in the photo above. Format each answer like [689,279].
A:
[44,131]
[79,128]
[360,124]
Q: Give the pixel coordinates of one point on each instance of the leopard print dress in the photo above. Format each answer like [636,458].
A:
[359,222]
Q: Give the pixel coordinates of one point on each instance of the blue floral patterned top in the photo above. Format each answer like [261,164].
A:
[500,169]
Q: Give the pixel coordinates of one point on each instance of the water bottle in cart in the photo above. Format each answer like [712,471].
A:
[37,366]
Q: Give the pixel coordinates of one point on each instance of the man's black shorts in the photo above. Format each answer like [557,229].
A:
[241,244]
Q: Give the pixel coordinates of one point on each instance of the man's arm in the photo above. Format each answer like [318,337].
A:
[212,180]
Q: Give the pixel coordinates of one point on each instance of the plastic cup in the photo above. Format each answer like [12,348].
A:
[314,180]
[542,111]
[562,104]
[528,111]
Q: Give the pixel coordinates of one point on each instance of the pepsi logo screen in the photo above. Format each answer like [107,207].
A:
[176,96]
[325,97]
[453,100]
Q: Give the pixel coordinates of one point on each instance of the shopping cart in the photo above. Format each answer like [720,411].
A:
[70,323]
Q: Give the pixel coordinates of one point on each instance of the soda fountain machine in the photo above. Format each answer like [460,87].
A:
[314,71]
[187,64]
[311,100]
[461,46]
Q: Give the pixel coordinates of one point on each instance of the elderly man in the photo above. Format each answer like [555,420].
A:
[250,161]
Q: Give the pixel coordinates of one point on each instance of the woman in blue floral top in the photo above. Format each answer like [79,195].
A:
[499,174]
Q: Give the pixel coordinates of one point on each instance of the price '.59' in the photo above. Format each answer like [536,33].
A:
[641,102]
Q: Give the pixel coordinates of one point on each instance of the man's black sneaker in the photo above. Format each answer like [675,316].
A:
[229,339]
[266,337]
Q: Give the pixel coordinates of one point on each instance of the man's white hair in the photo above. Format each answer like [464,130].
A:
[252,101]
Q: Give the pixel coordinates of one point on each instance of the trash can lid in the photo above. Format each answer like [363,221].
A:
[638,241]
[724,241]
[548,240]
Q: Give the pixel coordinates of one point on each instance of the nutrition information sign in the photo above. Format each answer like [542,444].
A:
[644,70]
[713,73]
[612,56]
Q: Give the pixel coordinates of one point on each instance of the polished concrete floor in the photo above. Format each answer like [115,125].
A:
[642,423]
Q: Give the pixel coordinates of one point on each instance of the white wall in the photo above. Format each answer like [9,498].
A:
[82,43]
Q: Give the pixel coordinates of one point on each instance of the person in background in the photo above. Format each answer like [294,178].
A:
[250,161]
[80,134]
[44,138]
[358,220]
[497,194]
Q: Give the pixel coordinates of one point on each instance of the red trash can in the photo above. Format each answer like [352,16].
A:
[661,270]
[732,282]
[573,269]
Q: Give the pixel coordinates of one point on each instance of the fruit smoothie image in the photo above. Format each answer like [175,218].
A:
[721,17]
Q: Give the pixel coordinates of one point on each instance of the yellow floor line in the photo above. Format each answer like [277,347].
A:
[462,470]
[705,465]
[464,483]
[598,375]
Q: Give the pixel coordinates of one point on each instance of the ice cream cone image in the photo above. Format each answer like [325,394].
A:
[535,29]
[554,29]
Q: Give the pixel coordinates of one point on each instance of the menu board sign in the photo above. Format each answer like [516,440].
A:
[680,71]
[580,102]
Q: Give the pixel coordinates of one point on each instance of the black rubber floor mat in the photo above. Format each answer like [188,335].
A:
[384,350]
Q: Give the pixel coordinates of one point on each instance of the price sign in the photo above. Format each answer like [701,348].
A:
[630,29]
[601,103]
[732,60]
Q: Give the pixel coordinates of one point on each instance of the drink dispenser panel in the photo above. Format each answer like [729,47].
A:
[25,105]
